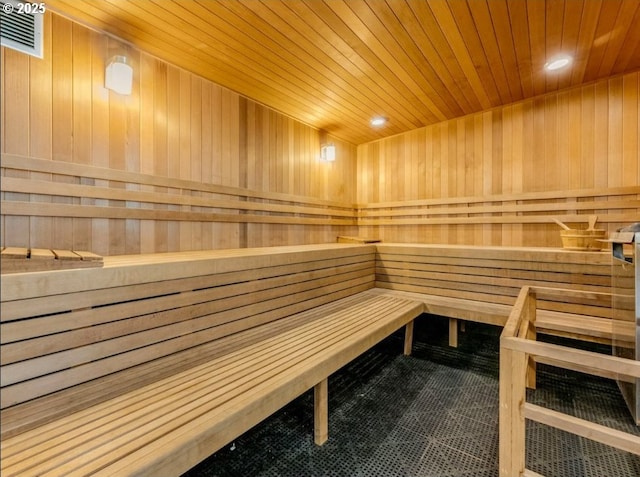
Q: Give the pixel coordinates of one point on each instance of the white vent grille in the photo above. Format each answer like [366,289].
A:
[21,26]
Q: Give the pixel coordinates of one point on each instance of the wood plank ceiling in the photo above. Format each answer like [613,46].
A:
[334,64]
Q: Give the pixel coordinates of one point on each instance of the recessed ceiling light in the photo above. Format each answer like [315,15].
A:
[378,121]
[557,63]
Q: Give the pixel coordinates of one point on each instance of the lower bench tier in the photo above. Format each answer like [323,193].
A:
[167,427]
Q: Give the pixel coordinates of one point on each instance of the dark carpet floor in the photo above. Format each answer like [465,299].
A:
[432,414]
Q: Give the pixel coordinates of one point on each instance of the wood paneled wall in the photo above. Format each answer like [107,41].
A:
[185,164]
[498,177]
[181,164]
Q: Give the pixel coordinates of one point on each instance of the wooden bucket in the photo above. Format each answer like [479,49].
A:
[576,239]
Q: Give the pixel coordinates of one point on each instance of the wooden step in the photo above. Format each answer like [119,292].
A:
[22,260]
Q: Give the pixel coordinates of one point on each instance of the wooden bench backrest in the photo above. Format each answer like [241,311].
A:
[496,274]
[61,329]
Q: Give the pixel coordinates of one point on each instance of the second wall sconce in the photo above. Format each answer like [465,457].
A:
[328,152]
[118,76]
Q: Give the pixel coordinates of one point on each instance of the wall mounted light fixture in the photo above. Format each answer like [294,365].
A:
[118,76]
[328,152]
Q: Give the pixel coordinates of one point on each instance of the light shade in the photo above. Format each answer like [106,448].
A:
[118,76]
[557,63]
[378,121]
[328,152]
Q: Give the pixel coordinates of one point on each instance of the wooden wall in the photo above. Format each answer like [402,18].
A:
[498,177]
[184,164]
[181,164]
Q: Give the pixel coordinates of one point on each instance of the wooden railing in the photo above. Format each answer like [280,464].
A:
[66,205]
[84,191]
[519,351]
[614,204]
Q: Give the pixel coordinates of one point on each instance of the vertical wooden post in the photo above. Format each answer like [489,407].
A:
[531,335]
[321,412]
[504,413]
[512,423]
[408,338]
[453,332]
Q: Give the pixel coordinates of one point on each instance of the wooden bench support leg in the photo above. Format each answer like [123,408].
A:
[453,332]
[408,338]
[321,412]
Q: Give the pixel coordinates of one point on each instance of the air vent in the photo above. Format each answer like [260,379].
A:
[21,26]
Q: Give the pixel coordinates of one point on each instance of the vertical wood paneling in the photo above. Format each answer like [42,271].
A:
[574,150]
[175,124]
[117,133]
[99,134]
[3,220]
[16,130]
[62,74]
[132,151]
[81,113]
[147,113]
[581,138]
[630,130]
[40,104]
[587,138]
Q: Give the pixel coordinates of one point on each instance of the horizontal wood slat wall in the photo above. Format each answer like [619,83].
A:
[498,177]
[181,193]
[62,329]
[569,206]
[496,275]
[181,164]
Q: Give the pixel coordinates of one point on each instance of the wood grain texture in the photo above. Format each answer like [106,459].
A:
[202,153]
[495,275]
[164,303]
[203,346]
[177,420]
[497,177]
[335,64]
[36,260]
[518,346]
[186,164]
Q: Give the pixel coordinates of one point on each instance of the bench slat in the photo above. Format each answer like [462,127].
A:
[592,328]
[164,315]
[73,299]
[19,418]
[344,327]
[72,376]
[127,326]
[542,263]
[157,268]
[289,383]
[229,371]
[490,278]
[481,283]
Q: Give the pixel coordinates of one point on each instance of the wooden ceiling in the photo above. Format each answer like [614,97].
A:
[334,64]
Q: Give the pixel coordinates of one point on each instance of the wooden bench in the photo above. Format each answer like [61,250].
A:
[152,363]
[481,284]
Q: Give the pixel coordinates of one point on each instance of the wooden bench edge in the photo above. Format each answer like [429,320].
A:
[458,309]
